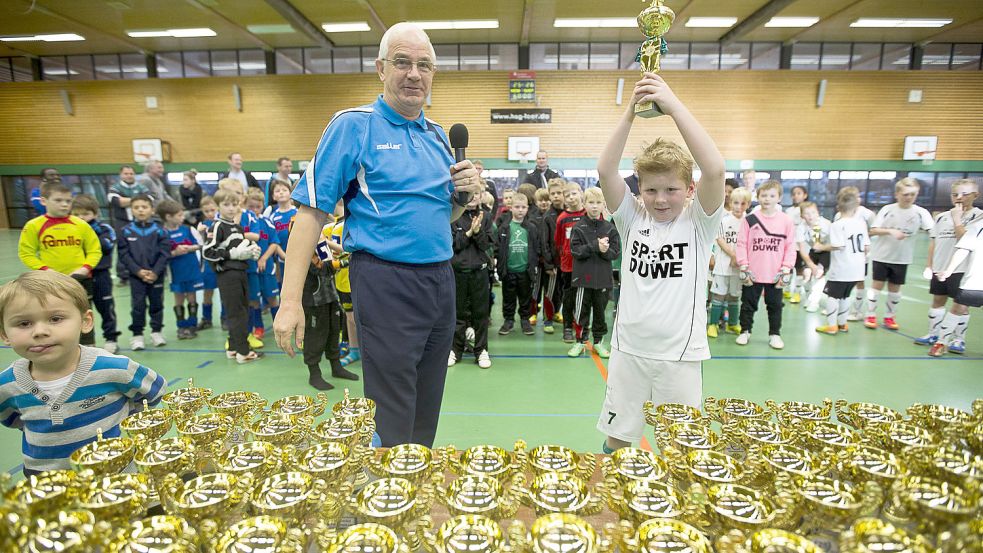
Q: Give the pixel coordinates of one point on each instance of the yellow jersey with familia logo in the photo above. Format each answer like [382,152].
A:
[341,275]
[61,244]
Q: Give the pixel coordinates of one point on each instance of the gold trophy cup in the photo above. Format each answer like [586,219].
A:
[654,21]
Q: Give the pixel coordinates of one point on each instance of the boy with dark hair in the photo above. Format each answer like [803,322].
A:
[595,244]
[186,278]
[144,249]
[471,238]
[209,210]
[85,207]
[573,198]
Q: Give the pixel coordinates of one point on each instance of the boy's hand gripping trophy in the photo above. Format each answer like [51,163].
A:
[654,21]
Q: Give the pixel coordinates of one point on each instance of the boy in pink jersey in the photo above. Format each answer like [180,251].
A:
[765,254]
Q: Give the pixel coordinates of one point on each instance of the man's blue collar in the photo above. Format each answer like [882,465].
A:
[394,116]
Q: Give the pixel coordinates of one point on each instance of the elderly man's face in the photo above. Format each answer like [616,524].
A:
[157,169]
[542,160]
[406,90]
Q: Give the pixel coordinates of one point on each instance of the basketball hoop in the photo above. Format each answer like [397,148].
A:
[523,155]
[927,156]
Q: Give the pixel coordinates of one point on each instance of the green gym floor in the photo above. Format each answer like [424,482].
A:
[535,392]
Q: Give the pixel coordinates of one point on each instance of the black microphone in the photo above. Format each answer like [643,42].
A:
[459,141]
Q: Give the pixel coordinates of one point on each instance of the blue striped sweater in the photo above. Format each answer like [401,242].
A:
[103,391]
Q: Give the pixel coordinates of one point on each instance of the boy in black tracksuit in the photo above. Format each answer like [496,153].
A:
[144,248]
[85,207]
[227,249]
[519,248]
[472,239]
[595,244]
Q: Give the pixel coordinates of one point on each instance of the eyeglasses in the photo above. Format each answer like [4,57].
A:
[404,64]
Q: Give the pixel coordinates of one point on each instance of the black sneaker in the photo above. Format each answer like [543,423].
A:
[568,336]
[506,328]
[527,328]
[204,324]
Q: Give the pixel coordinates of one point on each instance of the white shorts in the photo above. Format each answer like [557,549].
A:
[726,285]
[633,380]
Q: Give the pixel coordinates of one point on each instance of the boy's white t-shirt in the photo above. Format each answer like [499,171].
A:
[887,249]
[53,388]
[810,234]
[944,235]
[973,242]
[861,212]
[662,311]
[848,261]
[729,226]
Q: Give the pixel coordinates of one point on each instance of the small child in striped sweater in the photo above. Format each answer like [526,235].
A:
[59,394]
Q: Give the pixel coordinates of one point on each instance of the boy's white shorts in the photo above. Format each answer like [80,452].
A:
[726,285]
[633,380]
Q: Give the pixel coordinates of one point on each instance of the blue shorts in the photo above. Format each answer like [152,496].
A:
[208,277]
[262,286]
[187,286]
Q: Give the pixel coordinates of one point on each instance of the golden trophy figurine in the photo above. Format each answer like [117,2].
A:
[654,21]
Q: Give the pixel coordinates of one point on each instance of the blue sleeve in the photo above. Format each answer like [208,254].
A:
[108,236]
[271,230]
[335,162]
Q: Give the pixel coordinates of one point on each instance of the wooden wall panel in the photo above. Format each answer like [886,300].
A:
[751,114]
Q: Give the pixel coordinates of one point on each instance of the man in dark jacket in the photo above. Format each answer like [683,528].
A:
[541,175]
[595,244]
[518,250]
[472,240]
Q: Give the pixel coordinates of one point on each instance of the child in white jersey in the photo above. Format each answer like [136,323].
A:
[949,227]
[859,293]
[659,341]
[893,249]
[812,231]
[969,250]
[725,291]
[848,245]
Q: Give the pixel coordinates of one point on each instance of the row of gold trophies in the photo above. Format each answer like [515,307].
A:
[736,477]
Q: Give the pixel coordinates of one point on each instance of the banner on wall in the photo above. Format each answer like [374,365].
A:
[525,115]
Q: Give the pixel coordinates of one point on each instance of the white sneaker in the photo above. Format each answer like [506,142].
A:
[136,343]
[111,346]
[853,316]
[775,341]
[743,338]
[451,360]
[252,356]
[812,308]
[158,339]
[484,360]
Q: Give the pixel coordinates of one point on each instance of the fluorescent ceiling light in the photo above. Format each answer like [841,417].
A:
[59,37]
[711,22]
[175,33]
[597,22]
[458,24]
[792,22]
[899,23]
[350,27]
[270,29]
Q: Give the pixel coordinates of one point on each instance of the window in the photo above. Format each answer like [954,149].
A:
[224,63]
[966,57]
[766,55]
[80,68]
[880,188]
[836,55]
[704,55]
[134,66]
[474,57]
[348,60]
[574,55]
[544,56]
[6,70]
[805,55]
[736,55]
[290,61]
[22,69]
[169,65]
[318,60]
[197,64]
[942,200]
[504,56]
[252,62]
[447,58]
[54,68]
[896,57]
[604,55]
[936,56]
[107,66]
[866,56]
[628,52]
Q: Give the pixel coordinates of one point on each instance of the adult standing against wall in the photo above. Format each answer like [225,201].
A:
[541,175]
[284,166]
[236,172]
[120,195]
[394,170]
[153,179]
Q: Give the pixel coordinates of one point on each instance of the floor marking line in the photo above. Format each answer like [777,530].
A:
[174,381]
[203,365]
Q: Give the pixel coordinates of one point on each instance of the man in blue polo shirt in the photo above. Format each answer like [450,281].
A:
[396,174]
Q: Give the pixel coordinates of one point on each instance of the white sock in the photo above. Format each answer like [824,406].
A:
[797,284]
[872,302]
[832,311]
[817,291]
[893,299]
[962,323]
[844,311]
[858,300]
[935,316]
[948,328]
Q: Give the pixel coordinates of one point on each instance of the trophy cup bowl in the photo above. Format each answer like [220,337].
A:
[935,503]
[297,496]
[368,537]
[219,496]
[118,498]
[706,468]
[941,418]
[468,534]
[740,507]
[817,436]
[105,456]
[872,534]
[149,424]
[159,458]
[769,540]
[187,401]
[791,411]
[477,494]
[237,405]
[666,414]
[830,503]
[654,21]
[903,438]
[727,410]
[43,495]
[208,431]
[557,458]
[564,533]
[280,430]
[664,535]
[868,463]
[641,500]
[389,501]
[258,458]
[561,492]
[332,462]
[740,437]
[687,436]
[975,438]
[488,460]
[631,463]
[950,462]
[413,462]
[358,407]
[71,531]
[346,429]
[301,406]
[861,415]
[162,533]
[259,534]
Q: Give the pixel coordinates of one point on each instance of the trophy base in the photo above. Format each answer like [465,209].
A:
[647,110]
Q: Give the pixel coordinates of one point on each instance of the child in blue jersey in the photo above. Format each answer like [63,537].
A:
[269,243]
[86,207]
[280,214]
[208,212]
[61,394]
[185,266]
